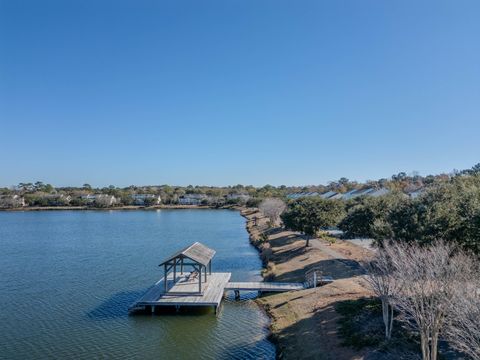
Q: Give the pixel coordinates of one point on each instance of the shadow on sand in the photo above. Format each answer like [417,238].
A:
[337,268]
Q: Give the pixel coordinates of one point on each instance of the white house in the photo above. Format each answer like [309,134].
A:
[345,196]
[100,199]
[337,196]
[379,192]
[105,200]
[89,198]
[11,201]
[349,194]
[328,194]
[192,199]
[302,194]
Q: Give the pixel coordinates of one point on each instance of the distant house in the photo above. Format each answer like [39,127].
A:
[328,194]
[105,200]
[352,194]
[349,194]
[294,196]
[102,200]
[337,196]
[88,198]
[11,201]
[332,195]
[379,192]
[192,199]
[364,192]
[150,199]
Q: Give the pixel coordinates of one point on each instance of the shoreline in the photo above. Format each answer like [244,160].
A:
[303,324]
[119,208]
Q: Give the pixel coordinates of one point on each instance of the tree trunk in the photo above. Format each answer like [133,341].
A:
[434,346]
[385,316]
[387,312]
[425,345]
[308,241]
[391,323]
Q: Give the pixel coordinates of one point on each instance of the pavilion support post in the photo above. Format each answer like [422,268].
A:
[205,274]
[210,267]
[165,278]
[174,270]
[200,279]
[181,266]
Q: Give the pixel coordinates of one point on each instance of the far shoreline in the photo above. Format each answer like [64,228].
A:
[121,208]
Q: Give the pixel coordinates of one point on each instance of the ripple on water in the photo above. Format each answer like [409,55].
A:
[76,273]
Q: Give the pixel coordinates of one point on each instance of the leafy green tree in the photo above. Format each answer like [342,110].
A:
[48,188]
[38,186]
[359,221]
[310,215]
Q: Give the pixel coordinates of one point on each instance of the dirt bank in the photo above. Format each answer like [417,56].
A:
[304,323]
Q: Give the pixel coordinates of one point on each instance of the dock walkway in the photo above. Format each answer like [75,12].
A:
[264,286]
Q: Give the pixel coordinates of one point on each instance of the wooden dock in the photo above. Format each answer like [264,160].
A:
[201,287]
[184,292]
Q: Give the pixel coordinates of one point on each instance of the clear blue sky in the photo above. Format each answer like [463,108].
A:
[238,91]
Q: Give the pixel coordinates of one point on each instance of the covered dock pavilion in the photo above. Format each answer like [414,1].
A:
[197,256]
[196,287]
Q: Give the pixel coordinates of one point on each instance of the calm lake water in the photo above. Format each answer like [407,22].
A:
[68,277]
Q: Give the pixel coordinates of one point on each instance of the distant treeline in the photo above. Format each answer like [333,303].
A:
[37,193]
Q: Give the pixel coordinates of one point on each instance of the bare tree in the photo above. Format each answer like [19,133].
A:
[381,277]
[428,279]
[462,328]
[272,208]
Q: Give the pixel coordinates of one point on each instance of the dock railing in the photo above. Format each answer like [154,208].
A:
[314,277]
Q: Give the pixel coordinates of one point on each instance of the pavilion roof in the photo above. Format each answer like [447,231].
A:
[196,252]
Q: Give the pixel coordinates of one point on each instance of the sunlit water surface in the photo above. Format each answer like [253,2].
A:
[68,277]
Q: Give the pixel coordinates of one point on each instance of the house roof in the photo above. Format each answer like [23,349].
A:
[336,196]
[328,194]
[196,252]
[379,192]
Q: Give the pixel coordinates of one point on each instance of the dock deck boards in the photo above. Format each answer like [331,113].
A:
[183,292]
[264,286]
